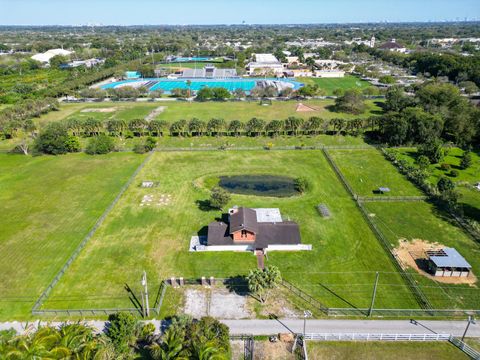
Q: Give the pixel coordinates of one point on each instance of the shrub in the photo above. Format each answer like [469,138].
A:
[139,149]
[52,140]
[466,161]
[302,185]
[454,173]
[101,144]
[219,198]
[122,331]
[445,166]
[72,144]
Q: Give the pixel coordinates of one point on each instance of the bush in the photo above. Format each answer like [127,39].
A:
[52,140]
[139,149]
[72,144]
[302,185]
[219,198]
[454,173]
[466,161]
[101,144]
[122,331]
[445,166]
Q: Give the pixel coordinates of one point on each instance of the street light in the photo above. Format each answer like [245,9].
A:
[145,286]
[306,314]
[471,320]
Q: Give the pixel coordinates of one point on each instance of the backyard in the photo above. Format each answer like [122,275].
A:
[155,238]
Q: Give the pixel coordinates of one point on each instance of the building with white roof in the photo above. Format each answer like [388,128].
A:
[263,64]
[49,54]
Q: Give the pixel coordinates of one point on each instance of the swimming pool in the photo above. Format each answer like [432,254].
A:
[167,85]
[189,59]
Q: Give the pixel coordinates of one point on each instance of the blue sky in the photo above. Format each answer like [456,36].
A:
[128,12]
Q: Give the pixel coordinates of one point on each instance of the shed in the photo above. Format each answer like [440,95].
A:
[383,190]
[448,262]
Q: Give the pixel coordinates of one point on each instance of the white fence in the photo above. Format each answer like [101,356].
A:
[377,337]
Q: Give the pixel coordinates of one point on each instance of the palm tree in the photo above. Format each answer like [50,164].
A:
[216,126]
[255,126]
[206,350]
[293,123]
[314,124]
[171,347]
[157,127]
[138,126]
[196,126]
[274,127]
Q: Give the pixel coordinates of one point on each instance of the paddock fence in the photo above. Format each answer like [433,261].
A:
[391,198]
[44,295]
[376,337]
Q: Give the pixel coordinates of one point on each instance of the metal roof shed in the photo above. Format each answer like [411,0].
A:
[448,262]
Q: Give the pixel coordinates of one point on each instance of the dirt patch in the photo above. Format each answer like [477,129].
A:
[266,350]
[237,349]
[155,113]
[217,302]
[99,110]
[413,254]
[304,108]
[276,304]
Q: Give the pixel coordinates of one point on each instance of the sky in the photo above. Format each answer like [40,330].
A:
[182,12]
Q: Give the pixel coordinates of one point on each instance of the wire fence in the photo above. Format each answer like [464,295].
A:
[44,295]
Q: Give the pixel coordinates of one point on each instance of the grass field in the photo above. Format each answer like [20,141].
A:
[330,85]
[465,180]
[367,170]
[48,204]
[421,220]
[353,350]
[177,110]
[339,270]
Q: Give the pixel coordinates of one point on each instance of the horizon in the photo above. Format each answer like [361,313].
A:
[247,12]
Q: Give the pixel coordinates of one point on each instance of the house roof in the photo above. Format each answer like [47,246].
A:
[244,219]
[391,45]
[449,257]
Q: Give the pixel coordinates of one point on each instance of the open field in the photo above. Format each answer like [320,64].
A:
[331,84]
[367,170]
[339,270]
[355,350]
[48,204]
[420,220]
[177,110]
[465,180]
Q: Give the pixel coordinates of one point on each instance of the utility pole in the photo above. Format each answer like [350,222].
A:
[471,320]
[145,287]
[374,294]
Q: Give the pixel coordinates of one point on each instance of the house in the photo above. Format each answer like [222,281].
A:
[447,262]
[258,230]
[263,64]
[392,45]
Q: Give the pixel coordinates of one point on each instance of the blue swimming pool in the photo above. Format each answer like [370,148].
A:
[168,85]
[189,59]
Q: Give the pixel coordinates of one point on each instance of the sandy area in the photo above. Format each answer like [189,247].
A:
[266,350]
[100,110]
[155,113]
[412,254]
[304,108]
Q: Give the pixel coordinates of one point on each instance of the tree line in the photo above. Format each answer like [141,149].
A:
[126,338]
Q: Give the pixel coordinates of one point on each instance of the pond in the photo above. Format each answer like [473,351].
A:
[260,185]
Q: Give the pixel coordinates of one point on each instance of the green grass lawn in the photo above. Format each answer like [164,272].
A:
[470,197]
[358,350]
[48,205]
[367,170]
[421,220]
[339,271]
[331,84]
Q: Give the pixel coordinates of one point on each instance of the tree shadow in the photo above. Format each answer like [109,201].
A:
[204,205]
[238,285]
[471,211]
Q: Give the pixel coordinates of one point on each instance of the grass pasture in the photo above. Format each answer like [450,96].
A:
[358,350]
[48,205]
[367,170]
[420,220]
[339,270]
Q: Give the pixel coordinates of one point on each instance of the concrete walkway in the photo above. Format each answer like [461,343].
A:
[268,327]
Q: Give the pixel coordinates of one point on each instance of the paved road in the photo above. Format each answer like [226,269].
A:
[268,327]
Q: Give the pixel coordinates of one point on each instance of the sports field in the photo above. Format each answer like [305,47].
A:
[48,204]
[329,85]
[339,270]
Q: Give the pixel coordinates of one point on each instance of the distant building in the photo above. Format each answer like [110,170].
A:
[87,63]
[45,57]
[359,41]
[263,64]
[209,72]
[392,45]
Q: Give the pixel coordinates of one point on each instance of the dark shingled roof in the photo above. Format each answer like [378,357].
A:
[268,233]
[244,219]
[391,45]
